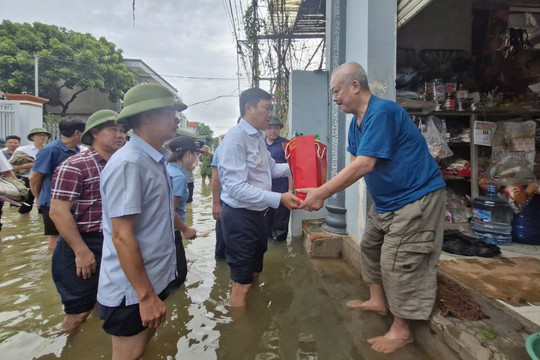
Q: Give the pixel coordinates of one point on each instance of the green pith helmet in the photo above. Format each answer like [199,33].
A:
[275,122]
[96,119]
[145,97]
[38,131]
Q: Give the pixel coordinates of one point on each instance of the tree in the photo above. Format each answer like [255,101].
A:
[204,130]
[67,59]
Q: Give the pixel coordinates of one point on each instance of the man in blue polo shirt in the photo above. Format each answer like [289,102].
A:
[47,159]
[403,237]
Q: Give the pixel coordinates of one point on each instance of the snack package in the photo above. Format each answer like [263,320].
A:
[519,196]
[459,167]
[484,180]
[457,208]
[514,178]
[307,161]
[437,144]
[516,197]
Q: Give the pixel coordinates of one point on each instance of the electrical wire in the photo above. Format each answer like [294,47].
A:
[209,101]
[95,66]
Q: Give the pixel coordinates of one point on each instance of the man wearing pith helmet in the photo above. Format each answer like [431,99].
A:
[23,160]
[77,213]
[138,260]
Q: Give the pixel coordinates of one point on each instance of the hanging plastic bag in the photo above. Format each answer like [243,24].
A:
[307,161]
[437,144]
[516,177]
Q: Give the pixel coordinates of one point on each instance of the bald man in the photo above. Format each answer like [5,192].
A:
[403,237]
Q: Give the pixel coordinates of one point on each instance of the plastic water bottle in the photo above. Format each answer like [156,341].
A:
[492,218]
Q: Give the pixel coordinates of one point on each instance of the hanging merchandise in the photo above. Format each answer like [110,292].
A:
[436,140]
[516,177]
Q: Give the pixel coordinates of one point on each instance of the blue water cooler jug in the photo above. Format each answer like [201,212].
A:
[526,224]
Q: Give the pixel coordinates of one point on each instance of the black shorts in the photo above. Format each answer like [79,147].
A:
[48,226]
[78,295]
[124,320]
[244,232]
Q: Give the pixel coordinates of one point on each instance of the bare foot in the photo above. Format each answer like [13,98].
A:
[388,344]
[367,306]
[72,322]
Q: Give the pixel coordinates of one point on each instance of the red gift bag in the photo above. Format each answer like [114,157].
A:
[307,161]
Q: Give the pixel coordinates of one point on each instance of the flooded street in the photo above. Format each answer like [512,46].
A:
[297,312]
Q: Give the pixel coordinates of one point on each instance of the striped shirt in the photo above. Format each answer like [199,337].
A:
[77,180]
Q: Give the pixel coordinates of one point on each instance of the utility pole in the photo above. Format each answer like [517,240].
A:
[255,61]
[36,75]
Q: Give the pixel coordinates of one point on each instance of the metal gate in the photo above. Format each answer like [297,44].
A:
[7,118]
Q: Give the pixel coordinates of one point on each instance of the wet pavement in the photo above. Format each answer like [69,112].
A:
[297,312]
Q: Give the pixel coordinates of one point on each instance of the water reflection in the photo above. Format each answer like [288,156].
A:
[297,311]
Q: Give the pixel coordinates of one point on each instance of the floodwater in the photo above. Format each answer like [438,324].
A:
[297,312]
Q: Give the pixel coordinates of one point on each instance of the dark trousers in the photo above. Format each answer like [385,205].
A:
[190,190]
[244,232]
[278,223]
[220,242]
[25,209]
[181,261]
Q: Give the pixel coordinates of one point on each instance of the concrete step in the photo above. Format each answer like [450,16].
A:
[439,338]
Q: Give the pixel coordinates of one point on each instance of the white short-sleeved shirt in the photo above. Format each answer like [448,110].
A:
[31,150]
[4,164]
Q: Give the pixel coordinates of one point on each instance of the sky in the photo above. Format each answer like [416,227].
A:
[177,38]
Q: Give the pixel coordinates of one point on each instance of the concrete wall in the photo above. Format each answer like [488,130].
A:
[85,104]
[371,41]
[30,116]
[18,117]
[308,109]
[443,24]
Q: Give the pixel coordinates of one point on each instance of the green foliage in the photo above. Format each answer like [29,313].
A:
[204,130]
[252,25]
[67,59]
[49,119]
